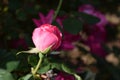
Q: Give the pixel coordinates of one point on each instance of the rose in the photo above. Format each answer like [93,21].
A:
[46,36]
[68,39]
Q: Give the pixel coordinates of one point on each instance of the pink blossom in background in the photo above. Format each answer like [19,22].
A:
[96,34]
[44,19]
[89,9]
[60,19]
[64,76]
[46,36]
[68,40]
[48,19]
[95,46]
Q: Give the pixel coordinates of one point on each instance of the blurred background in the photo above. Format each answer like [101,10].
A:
[91,29]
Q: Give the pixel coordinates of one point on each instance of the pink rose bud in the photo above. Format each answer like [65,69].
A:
[46,36]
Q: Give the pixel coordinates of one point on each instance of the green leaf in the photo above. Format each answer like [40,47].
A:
[33,60]
[5,57]
[45,66]
[5,75]
[12,65]
[77,77]
[72,25]
[27,77]
[89,18]
[44,69]
[70,71]
[56,65]
[66,69]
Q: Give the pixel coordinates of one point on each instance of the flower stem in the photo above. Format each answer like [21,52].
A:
[38,65]
[57,10]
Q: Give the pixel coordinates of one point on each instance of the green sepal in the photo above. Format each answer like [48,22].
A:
[5,75]
[12,65]
[41,55]
[32,50]
[77,77]
[44,69]
[47,50]
[26,77]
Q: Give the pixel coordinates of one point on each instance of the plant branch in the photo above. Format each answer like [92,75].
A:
[38,65]
[57,10]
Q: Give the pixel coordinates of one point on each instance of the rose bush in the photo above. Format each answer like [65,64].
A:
[46,36]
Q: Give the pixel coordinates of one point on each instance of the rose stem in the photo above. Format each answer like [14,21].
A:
[58,9]
[38,65]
